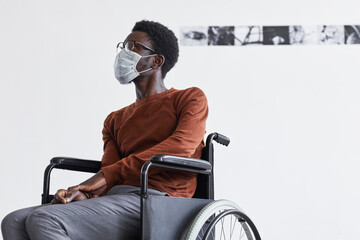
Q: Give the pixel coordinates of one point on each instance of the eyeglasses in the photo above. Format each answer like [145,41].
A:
[131,46]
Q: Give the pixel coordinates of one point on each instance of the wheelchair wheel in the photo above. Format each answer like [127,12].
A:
[222,219]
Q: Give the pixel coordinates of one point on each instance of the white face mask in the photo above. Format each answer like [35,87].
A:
[125,66]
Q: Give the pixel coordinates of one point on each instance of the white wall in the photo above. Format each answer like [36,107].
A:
[292,113]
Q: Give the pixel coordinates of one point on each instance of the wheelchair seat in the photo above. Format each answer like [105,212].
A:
[173,217]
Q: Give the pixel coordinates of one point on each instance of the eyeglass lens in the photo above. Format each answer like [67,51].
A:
[128,46]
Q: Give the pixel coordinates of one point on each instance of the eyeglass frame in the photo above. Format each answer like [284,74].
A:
[122,45]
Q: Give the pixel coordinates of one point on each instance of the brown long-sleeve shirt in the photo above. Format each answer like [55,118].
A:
[171,122]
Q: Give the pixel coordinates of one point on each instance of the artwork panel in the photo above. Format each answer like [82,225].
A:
[276,35]
[303,35]
[331,34]
[352,34]
[221,35]
[193,36]
[248,35]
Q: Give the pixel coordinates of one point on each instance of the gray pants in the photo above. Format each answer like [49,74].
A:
[113,216]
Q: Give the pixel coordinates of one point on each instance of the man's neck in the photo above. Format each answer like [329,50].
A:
[148,87]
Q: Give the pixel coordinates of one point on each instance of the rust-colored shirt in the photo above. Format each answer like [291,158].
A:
[171,122]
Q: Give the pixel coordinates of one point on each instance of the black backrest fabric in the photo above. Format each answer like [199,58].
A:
[204,183]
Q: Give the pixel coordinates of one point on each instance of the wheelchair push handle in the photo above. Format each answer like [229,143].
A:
[221,139]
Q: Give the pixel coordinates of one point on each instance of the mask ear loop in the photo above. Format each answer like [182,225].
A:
[152,55]
[145,70]
[163,60]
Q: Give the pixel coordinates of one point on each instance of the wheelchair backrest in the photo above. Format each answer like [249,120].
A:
[205,183]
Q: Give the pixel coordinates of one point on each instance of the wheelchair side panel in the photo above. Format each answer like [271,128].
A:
[169,217]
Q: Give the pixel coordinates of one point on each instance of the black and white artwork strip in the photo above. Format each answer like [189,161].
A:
[269,35]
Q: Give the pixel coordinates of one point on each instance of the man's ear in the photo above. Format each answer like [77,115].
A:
[158,61]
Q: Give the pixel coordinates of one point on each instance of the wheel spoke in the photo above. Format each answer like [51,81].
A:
[213,234]
[232,226]
[242,232]
[222,220]
[222,229]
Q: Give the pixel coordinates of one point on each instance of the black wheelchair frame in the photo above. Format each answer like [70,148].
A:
[204,193]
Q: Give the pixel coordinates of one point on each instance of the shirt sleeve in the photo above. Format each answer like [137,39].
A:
[111,152]
[192,110]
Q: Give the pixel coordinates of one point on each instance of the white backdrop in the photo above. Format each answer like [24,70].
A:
[292,113]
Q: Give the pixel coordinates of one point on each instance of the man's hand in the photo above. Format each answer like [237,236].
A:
[93,187]
[66,196]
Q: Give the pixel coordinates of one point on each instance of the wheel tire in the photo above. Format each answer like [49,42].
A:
[214,213]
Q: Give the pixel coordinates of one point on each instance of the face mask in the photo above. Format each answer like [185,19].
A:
[125,66]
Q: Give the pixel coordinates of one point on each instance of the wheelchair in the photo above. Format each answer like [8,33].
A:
[172,218]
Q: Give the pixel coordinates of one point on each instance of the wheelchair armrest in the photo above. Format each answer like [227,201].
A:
[175,163]
[76,164]
[183,162]
[66,163]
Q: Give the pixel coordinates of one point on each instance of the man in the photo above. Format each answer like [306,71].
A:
[161,121]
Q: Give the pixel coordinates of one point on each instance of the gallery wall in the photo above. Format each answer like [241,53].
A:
[291,111]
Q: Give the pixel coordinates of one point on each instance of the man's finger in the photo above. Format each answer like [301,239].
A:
[70,196]
[84,188]
[60,199]
[75,196]
[73,188]
[59,196]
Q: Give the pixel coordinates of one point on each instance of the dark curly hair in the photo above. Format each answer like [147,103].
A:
[163,40]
